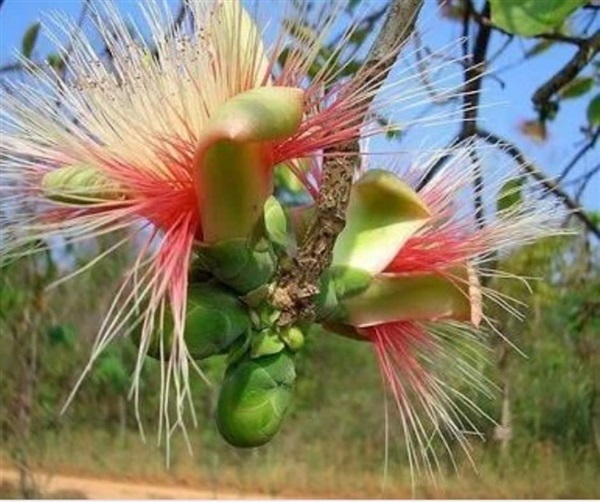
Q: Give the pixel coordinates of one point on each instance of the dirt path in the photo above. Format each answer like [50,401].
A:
[93,488]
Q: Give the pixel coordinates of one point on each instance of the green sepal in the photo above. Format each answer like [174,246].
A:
[254,399]
[215,319]
[344,330]
[265,343]
[240,264]
[415,297]
[234,158]
[277,227]
[338,283]
[383,213]
[79,184]
[239,349]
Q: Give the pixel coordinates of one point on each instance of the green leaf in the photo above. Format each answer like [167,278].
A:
[532,17]
[110,372]
[511,194]
[29,39]
[56,61]
[593,111]
[539,48]
[382,214]
[577,87]
[254,399]
[61,335]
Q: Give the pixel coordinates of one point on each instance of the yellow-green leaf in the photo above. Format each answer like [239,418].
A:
[532,17]
[577,87]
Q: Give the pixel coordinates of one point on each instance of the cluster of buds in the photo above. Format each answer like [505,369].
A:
[181,148]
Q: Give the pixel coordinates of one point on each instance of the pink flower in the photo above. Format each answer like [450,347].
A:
[405,277]
[176,146]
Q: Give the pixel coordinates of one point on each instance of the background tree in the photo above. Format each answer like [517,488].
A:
[550,399]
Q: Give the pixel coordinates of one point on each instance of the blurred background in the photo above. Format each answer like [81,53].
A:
[544,437]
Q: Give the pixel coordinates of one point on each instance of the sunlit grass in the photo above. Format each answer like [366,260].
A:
[291,468]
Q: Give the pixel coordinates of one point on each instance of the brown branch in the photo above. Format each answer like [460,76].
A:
[473,78]
[580,154]
[10,67]
[531,170]
[294,288]
[585,179]
[543,95]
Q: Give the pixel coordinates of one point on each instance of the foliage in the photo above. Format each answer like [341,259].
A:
[532,17]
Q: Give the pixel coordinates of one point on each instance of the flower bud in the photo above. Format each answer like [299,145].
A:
[293,338]
[79,184]
[215,318]
[239,264]
[254,399]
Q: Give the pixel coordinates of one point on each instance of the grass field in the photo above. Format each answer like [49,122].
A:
[286,469]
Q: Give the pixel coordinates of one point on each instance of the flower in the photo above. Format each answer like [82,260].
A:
[406,278]
[173,140]
[177,141]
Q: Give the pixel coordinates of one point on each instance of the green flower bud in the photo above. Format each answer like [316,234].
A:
[240,265]
[79,184]
[254,399]
[215,319]
[293,338]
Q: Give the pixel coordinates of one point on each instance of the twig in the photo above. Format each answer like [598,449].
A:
[579,155]
[477,188]
[543,95]
[473,76]
[294,288]
[585,179]
[10,67]
[550,185]
[473,79]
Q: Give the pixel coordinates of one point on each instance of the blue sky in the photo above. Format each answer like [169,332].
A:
[504,107]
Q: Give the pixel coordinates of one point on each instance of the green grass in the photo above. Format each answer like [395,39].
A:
[289,468]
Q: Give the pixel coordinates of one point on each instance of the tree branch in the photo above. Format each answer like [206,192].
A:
[530,169]
[543,95]
[294,288]
[585,179]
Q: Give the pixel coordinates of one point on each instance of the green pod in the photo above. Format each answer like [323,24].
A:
[215,319]
[239,264]
[254,399]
